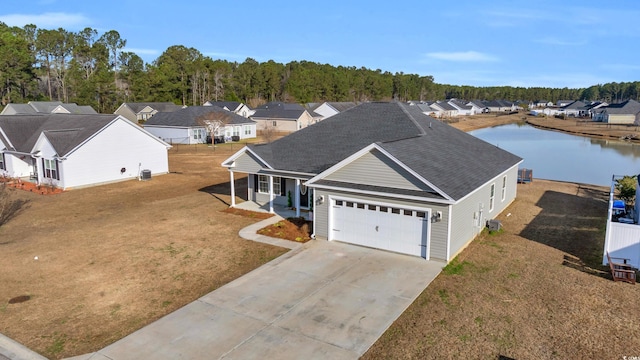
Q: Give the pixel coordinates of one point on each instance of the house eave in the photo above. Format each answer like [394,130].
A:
[382,194]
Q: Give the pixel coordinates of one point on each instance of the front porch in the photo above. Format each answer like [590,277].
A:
[280,210]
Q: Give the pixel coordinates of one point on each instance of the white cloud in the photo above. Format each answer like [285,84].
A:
[47,20]
[462,56]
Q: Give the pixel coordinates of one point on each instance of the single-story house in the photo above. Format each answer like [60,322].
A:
[462,108]
[444,109]
[139,112]
[233,106]
[193,124]
[46,107]
[627,112]
[282,117]
[501,106]
[478,106]
[384,175]
[70,151]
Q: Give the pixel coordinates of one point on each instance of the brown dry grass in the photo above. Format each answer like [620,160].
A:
[534,291]
[113,258]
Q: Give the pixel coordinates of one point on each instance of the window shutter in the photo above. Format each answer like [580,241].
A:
[3,165]
[255,182]
[283,186]
[44,169]
[57,171]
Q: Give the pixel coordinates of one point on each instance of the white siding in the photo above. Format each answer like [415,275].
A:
[119,146]
[174,135]
[17,167]
[623,243]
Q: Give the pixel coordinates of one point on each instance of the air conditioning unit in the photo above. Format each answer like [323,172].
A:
[145,175]
[494,225]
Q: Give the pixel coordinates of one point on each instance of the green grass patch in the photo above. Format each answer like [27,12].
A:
[57,346]
[455,267]
[444,296]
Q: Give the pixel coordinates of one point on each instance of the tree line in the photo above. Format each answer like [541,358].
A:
[89,68]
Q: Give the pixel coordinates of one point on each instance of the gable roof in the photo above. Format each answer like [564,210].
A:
[627,107]
[64,131]
[575,105]
[47,107]
[450,159]
[279,110]
[230,105]
[188,117]
[136,107]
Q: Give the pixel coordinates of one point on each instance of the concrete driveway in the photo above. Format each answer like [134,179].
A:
[323,300]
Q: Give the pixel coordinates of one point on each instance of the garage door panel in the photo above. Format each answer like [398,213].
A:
[394,229]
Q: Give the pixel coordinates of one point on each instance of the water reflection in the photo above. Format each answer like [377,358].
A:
[559,156]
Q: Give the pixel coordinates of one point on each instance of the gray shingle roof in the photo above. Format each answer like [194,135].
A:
[231,105]
[627,107]
[64,131]
[158,106]
[46,107]
[279,110]
[188,117]
[452,160]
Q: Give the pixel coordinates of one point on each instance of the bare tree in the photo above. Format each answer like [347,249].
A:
[9,206]
[268,131]
[214,121]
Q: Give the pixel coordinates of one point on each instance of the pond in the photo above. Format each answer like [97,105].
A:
[558,156]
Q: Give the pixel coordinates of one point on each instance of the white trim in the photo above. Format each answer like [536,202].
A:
[375,193]
[449,221]
[366,150]
[4,136]
[240,152]
[493,179]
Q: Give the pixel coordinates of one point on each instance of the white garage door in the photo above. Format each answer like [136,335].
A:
[380,226]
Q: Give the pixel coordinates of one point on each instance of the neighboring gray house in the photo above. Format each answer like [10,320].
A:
[282,117]
[139,112]
[193,124]
[627,112]
[444,109]
[501,106]
[384,175]
[575,109]
[46,107]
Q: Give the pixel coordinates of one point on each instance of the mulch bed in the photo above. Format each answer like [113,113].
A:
[294,229]
[32,187]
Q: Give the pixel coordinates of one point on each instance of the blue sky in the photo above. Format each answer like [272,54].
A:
[480,43]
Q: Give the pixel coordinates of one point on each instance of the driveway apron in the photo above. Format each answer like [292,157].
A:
[322,300]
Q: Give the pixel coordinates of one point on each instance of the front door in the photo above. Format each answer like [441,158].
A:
[304,196]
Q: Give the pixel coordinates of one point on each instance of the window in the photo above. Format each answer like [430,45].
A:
[384,209]
[51,169]
[371,207]
[504,187]
[247,130]
[338,202]
[421,214]
[492,194]
[2,166]
[349,204]
[236,131]
[275,123]
[408,212]
[198,134]
[263,184]
[360,206]
[395,211]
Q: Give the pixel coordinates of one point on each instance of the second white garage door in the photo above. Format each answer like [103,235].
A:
[379,226]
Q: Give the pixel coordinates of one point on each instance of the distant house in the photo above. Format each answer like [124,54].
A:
[70,151]
[233,106]
[282,117]
[189,125]
[501,106]
[561,103]
[540,104]
[463,108]
[328,109]
[479,107]
[575,109]
[139,112]
[627,112]
[444,109]
[46,107]
[404,182]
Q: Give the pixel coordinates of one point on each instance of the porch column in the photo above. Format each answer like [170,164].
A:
[271,194]
[233,189]
[297,202]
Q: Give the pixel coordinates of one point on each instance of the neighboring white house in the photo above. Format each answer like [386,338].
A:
[46,107]
[233,106]
[622,236]
[193,124]
[326,109]
[70,151]
[383,175]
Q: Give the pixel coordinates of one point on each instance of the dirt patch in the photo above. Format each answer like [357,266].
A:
[294,229]
[114,258]
[536,290]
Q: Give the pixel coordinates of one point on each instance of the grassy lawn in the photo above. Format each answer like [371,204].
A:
[535,290]
[113,258]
